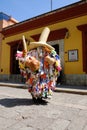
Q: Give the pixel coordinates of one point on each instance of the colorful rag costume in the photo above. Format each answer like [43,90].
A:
[40,66]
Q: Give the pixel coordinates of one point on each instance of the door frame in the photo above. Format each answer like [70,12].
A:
[17,45]
[83,29]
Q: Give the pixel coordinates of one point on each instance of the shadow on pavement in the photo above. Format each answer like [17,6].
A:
[12,102]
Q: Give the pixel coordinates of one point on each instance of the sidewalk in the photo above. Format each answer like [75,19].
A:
[60,88]
[15,85]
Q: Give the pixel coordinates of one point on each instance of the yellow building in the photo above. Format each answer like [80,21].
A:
[68,35]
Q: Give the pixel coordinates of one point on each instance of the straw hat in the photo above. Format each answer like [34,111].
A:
[42,40]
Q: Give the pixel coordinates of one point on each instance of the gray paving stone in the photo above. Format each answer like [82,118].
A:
[59,124]
[63,112]
[5,123]
[69,114]
[41,123]
[77,123]
[83,113]
[85,128]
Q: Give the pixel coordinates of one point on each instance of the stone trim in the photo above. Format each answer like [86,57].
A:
[76,79]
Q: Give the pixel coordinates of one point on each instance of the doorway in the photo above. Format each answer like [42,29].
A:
[85,52]
[14,66]
[56,46]
[59,48]
[14,63]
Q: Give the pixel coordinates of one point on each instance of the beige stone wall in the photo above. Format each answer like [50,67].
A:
[76,79]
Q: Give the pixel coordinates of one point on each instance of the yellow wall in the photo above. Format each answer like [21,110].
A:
[5,59]
[74,41]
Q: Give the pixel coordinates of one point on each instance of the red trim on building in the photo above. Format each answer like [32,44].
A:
[83,28]
[54,35]
[69,12]
[12,43]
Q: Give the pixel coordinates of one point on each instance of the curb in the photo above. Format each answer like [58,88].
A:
[13,85]
[63,90]
[73,91]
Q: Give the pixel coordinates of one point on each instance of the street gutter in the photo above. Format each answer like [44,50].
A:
[57,89]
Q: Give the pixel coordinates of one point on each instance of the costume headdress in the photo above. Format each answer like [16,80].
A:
[42,40]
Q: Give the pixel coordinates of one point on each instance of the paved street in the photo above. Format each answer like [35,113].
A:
[63,111]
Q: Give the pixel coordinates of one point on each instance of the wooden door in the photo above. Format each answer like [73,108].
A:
[14,46]
[14,67]
[85,52]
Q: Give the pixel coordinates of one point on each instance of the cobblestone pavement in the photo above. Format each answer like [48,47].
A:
[63,111]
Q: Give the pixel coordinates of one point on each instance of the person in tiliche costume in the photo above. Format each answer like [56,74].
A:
[40,64]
